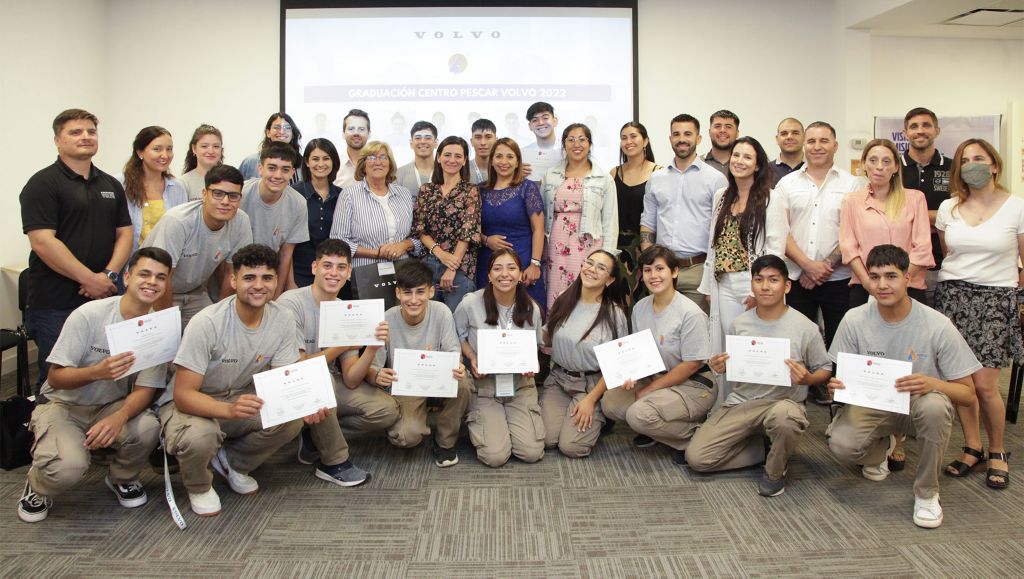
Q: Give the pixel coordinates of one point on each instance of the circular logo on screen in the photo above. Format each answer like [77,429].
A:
[457,63]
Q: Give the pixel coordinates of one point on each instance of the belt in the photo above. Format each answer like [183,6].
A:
[580,374]
[692,261]
[703,380]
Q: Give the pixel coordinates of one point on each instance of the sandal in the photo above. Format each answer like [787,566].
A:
[959,469]
[997,478]
[898,464]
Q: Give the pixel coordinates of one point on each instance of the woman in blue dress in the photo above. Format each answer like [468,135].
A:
[512,217]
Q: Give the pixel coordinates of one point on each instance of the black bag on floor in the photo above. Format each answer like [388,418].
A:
[15,438]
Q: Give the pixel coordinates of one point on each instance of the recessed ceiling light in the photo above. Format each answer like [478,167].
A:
[987,17]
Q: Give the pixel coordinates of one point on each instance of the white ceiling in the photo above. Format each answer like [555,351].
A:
[927,18]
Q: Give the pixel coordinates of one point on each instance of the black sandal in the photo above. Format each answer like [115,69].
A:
[994,474]
[962,469]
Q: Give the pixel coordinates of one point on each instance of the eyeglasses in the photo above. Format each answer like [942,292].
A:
[574,140]
[591,264]
[219,194]
[372,158]
[283,127]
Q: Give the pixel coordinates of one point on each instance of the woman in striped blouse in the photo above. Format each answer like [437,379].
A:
[374,216]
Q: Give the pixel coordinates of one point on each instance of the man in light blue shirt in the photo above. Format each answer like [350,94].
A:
[677,206]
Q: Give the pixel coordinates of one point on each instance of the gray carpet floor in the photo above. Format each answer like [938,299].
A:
[623,512]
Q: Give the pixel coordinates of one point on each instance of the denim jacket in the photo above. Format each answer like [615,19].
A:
[600,204]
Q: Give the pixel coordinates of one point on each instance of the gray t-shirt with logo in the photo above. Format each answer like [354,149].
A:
[572,353]
[436,332]
[219,346]
[83,343]
[286,221]
[925,338]
[805,346]
[195,250]
[680,330]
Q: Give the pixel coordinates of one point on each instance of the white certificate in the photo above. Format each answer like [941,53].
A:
[871,382]
[506,351]
[758,360]
[351,323]
[633,357]
[294,391]
[425,373]
[153,338]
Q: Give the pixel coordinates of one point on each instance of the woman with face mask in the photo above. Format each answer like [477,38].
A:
[981,228]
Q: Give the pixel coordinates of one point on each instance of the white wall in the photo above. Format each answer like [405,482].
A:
[178,63]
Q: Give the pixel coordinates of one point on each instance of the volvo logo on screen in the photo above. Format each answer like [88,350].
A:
[457,34]
[457,63]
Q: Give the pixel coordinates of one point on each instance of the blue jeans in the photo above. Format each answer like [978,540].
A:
[45,326]
[463,285]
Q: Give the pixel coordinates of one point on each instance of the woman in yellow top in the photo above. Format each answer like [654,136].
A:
[149,186]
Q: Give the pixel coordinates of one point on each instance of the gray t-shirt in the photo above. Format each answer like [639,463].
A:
[306,309]
[925,337]
[436,332]
[219,346]
[680,330]
[407,176]
[805,346]
[194,184]
[286,221]
[195,250]
[471,316]
[83,343]
[569,352]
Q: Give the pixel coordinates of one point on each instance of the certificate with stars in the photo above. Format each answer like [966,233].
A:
[870,382]
[757,360]
[633,357]
[152,338]
[293,391]
[350,323]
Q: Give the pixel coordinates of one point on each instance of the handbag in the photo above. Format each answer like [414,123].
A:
[375,281]
[15,437]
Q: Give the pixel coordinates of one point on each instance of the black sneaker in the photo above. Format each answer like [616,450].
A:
[445,457]
[679,457]
[308,454]
[129,494]
[771,488]
[643,441]
[33,507]
[345,474]
[608,426]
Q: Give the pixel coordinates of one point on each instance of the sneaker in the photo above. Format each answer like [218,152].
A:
[643,441]
[33,507]
[927,512]
[129,494]
[205,504]
[679,457]
[445,457]
[879,472]
[345,474]
[242,484]
[767,487]
[308,454]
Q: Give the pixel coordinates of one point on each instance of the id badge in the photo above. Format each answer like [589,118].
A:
[504,385]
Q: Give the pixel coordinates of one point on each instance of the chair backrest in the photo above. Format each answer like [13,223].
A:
[23,290]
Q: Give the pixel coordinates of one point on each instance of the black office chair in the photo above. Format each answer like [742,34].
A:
[19,338]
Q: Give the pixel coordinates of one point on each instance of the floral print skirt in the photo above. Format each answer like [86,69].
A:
[987,317]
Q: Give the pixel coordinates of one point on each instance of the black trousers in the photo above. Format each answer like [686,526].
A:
[831,297]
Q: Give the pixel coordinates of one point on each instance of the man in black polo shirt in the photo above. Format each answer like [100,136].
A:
[78,225]
[790,137]
[926,170]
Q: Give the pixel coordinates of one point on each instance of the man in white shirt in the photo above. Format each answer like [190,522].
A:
[422,141]
[812,195]
[544,154]
[356,126]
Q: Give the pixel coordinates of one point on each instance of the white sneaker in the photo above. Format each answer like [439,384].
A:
[205,504]
[879,472]
[927,512]
[242,484]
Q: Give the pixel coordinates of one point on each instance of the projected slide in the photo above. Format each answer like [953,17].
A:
[451,66]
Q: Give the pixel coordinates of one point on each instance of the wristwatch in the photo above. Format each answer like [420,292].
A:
[111,275]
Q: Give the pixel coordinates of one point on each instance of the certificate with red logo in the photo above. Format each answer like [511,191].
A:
[871,382]
[153,338]
[757,360]
[293,391]
[425,373]
[506,351]
[351,323]
[632,357]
